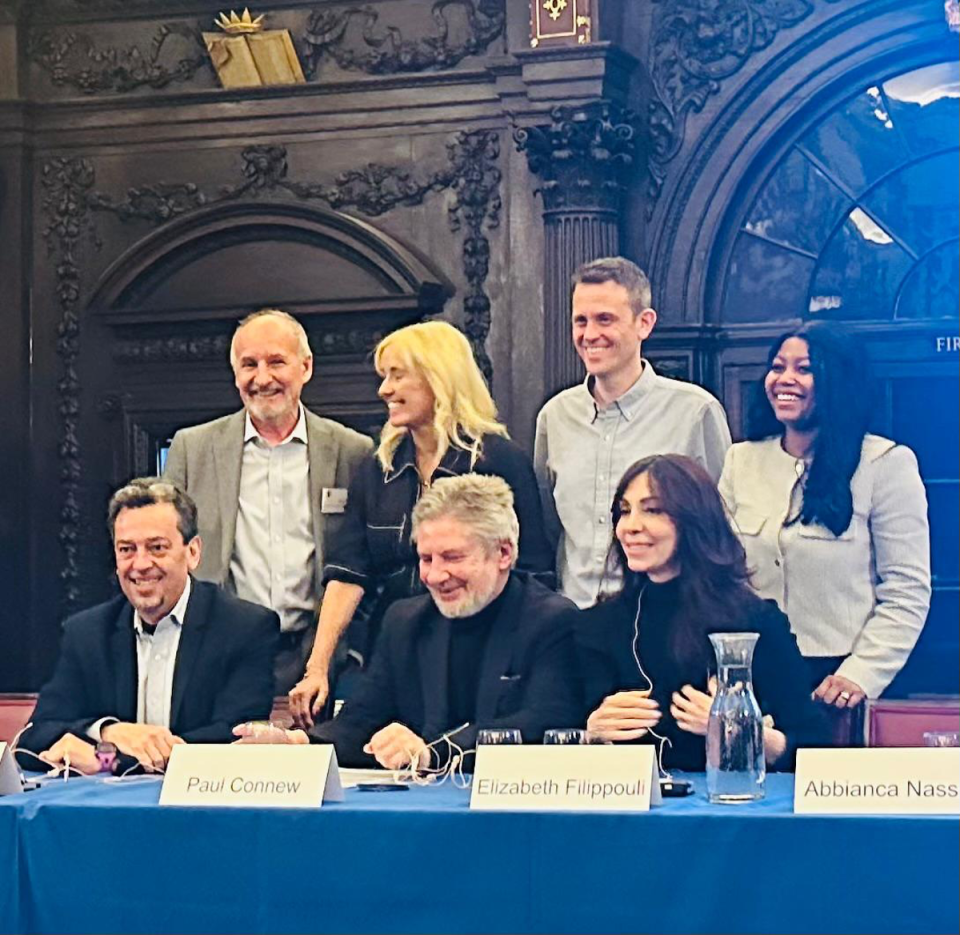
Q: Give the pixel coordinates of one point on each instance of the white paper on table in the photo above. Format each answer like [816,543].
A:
[350,778]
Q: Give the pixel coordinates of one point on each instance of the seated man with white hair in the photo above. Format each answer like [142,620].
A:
[488,646]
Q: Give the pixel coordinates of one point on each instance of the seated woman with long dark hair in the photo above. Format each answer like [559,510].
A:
[646,653]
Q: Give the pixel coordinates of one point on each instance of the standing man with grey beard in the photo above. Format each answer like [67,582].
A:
[270,483]
[487,647]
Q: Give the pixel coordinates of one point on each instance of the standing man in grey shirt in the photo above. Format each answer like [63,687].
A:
[270,482]
[588,435]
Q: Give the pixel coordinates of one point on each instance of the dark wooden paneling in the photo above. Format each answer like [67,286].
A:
[15,429]
[116,311]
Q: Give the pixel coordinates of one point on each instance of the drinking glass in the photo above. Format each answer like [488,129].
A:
[565,735]
[498,735]
[265,732]
[941,738]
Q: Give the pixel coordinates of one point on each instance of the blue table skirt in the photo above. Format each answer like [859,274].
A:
[97,857]
[9,867]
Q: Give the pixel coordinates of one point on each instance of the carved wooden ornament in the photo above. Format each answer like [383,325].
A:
[560,22]
[250,57]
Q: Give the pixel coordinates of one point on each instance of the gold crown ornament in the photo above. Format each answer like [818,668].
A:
[238,25]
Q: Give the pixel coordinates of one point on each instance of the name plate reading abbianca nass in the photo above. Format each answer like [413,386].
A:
[878,781]
[252,775]
[587,778]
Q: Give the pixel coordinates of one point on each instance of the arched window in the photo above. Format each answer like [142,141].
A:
[859,218]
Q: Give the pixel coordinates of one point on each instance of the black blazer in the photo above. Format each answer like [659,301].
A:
[527,678]
[223,674]
[605,633]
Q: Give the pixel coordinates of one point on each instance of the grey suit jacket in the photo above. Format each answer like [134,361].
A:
[205,461]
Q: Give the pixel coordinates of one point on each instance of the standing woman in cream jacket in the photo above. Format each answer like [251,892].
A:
[833,519]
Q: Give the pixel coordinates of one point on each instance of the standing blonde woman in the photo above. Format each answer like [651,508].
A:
[441,421]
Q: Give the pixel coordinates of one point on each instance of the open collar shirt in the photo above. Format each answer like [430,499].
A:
[274,549]
[156,660]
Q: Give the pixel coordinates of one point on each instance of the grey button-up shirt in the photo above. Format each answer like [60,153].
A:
[582,451]
[274,549]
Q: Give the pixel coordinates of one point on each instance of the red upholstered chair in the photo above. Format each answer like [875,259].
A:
[15,711]
[897,723]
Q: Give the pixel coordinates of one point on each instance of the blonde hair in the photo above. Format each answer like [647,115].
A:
[463,409]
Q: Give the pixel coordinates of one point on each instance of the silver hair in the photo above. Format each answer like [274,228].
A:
[147,491]
[303,341]
[482,503]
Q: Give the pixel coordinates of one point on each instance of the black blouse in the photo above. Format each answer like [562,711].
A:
[373,548]
[606,634]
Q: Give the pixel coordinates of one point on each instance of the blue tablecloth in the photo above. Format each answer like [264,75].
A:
[9,867]
[94,857]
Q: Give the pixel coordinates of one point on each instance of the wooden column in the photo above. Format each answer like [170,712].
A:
[582,158]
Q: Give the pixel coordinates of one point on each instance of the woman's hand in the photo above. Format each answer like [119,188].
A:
[308,697]
[690,707]
[624,716]
[840,692]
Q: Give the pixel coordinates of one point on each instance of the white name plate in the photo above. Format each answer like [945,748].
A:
[588,778]
[878,781]
[9,774]
[251,775]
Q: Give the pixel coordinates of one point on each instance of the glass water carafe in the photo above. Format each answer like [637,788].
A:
[736,767]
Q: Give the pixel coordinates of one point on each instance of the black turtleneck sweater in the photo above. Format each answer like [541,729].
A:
[606,633]
[468,642]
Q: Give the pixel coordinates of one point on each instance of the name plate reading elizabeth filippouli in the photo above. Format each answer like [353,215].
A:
[878,781]
[252,775]
[587,778]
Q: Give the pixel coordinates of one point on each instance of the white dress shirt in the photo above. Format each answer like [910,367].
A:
[156,661]
[863,594]
[274,549]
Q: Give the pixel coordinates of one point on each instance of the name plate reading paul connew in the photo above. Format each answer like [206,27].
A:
[588,778]
[878,781]
[252,775]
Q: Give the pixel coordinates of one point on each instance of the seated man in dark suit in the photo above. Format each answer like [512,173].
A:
[487,647]
[171,660]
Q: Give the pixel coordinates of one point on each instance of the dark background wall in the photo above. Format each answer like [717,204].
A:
[766,162]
